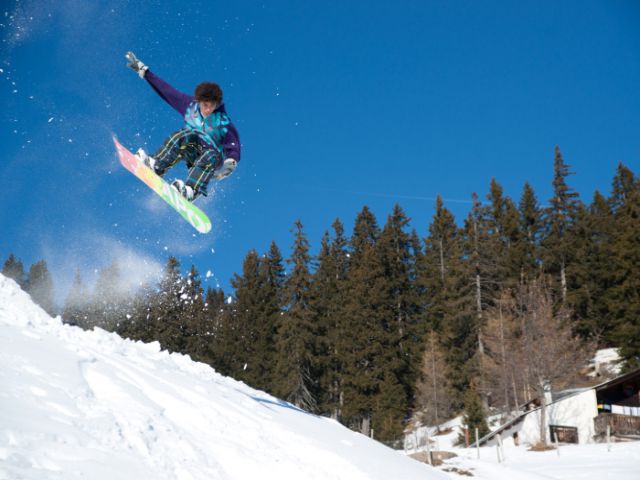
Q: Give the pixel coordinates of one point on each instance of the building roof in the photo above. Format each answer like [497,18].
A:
[559,396]
[634,374]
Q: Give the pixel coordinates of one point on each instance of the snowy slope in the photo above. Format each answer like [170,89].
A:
[77,404]
[596,461]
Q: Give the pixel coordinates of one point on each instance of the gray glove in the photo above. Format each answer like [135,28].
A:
[135,64]
[225,169]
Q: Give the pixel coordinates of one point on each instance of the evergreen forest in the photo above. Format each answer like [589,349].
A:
[386,324]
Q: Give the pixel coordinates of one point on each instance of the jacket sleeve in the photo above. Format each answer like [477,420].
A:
[178,100]
[231,143]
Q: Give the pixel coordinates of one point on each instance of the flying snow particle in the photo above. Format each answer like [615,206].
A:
[209,274]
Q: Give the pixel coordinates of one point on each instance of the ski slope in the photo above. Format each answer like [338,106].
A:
[76,404]
[595,461]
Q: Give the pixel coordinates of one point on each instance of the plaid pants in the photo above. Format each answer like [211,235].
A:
[201,161]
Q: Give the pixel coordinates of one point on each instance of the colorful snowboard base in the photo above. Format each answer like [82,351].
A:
[192,214]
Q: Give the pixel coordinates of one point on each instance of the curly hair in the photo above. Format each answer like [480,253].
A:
[209,92]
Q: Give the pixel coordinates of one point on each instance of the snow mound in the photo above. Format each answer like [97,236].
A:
[76,404]
[607,363]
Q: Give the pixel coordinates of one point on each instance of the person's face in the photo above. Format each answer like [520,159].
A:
[207,108]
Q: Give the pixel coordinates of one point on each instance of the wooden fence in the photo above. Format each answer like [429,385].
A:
[620,424]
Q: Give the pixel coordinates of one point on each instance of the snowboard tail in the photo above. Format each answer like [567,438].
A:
[192,214]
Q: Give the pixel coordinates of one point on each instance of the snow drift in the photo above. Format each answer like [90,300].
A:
[76,404]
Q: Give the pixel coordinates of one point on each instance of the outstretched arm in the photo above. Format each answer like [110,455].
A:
[178,100]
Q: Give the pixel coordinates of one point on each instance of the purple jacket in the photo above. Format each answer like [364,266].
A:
[215,131]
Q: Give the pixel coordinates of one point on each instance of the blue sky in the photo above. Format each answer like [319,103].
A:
[339,104]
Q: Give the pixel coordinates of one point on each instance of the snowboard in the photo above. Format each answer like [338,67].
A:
[192,214]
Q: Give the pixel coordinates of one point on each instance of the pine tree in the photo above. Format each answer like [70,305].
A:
[474,417]
[560,219]
[530,227]
[272,298]
[40,286]
[396,248]
[110,301]
[504,236]
[139,323]
[167,309]
[216,310]
[75,305]
[623,298]
[440,265]
[328,297]
[625,184]
[590,276]
[389,409]
[14,270]
[197,323]
[474,293]
[365,316]
[247,315]
[447,279]
[258,306]
[399,311]
[220,312]
[295,338]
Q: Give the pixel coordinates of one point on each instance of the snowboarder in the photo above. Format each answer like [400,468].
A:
[208,142]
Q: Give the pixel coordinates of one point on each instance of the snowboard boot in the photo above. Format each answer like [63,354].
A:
[146,159]
[185,190]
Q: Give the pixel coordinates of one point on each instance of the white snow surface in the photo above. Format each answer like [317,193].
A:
[574,462]
[90,405]
[606,361]
[596,461]
[77,404]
